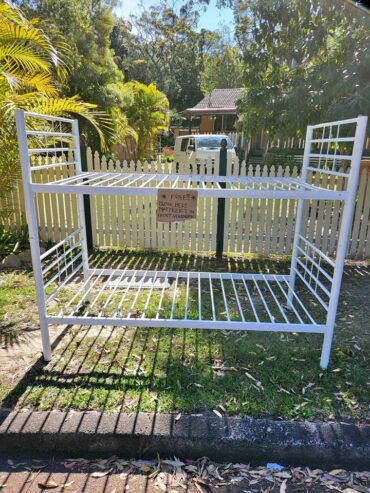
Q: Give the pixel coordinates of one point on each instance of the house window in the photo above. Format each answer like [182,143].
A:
[224,123]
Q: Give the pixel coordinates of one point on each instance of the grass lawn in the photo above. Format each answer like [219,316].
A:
[176,370]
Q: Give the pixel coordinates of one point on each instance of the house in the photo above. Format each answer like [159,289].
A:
[216,112]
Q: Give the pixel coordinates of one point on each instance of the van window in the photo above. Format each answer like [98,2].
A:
[213,142]
[184,144]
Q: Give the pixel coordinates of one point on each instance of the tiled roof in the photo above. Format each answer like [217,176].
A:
[220,98]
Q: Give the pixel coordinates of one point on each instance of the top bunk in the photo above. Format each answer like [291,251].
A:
[53,143]
[115,183]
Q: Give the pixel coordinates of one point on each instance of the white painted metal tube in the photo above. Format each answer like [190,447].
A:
[189,324]
[33,231]
[47,117]
[343,239]
[299,216]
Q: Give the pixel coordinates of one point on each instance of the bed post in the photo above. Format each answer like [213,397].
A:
[80,198]
[344,233]
[33,231]
[299,215]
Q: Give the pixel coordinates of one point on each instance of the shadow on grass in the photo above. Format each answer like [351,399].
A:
[184,370]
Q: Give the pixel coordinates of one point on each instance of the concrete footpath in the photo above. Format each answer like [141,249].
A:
[219,438]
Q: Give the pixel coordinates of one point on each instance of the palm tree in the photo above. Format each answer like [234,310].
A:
[31,71]
[147,110]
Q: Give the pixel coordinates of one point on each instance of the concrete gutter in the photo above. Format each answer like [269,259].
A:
[192,436]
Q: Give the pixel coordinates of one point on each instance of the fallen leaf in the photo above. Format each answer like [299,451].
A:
[101,474]
[283,486]
[173,463]
[282,475]
[48,485]
[66,485]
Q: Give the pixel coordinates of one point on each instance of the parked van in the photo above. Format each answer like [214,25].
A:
[196,148]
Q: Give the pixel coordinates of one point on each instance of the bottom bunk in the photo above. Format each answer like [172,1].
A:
[208,300]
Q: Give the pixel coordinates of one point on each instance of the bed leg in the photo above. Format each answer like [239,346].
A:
[46,348]
[326,348]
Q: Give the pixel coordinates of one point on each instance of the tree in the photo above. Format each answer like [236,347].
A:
[87,26]
[163,46]
[304,61]
[30,71]
[147,111]
[222,70]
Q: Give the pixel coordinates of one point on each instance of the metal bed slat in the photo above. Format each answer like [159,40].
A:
[68,278]
[323,271]
[334,140]
[47,133]
[112,293]
[100,292]
[174,296]
[122,300]
[292,307]
[140,177]
[48,117]
[237,298]
[187,296]
[160,182]
[199,298]
[250,301]
[277,301]
[323,304]
[301,304]
[84,176]
[86,295]
[60,243]
[76,295]
[53,165]
[332,156]
[312,275]
[328,172]
[225,299]
[319,252]
[57,275]
[149,295]
[121,178]
[162,296]
[264,302]
[58,259]
[212,298]
[51,150]
[136,296]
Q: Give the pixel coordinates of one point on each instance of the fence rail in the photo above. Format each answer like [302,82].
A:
[251,225]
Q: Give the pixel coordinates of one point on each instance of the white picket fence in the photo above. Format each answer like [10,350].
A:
[251,225]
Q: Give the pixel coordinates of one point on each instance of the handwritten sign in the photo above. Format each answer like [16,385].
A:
[176,205]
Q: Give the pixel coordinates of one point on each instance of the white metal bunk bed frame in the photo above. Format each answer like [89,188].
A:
[320,275]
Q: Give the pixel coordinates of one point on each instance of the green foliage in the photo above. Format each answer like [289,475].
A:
[147,111]
[305,61]
[222,70]
[31,71]
[163,46]
[13,241]
[86,26]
